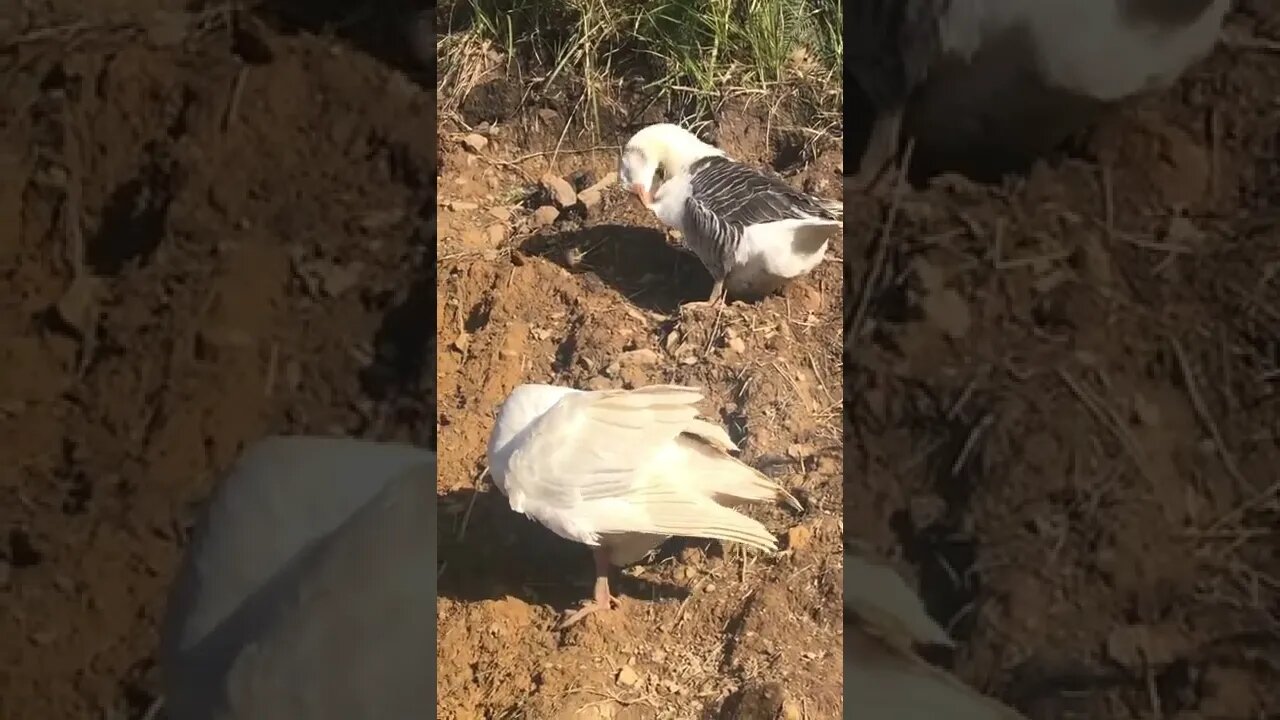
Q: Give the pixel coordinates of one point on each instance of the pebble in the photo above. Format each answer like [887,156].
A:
[798,537]
[497,233]
[737,345]
[948,311]
[562,193]
[462,206]
[642,356]
[545,215]
[607,181]
[475,142]
[590,197]
[627,677]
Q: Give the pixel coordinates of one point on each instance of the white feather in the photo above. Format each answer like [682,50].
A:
[595,465]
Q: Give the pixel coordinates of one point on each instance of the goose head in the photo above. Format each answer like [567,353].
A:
[665,146]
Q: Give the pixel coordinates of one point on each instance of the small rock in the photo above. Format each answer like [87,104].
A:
[589,198]
[562,193]
[599,382]
[1135,646]
[1145,411]
[462,206]
[545,215]
[627,677]
[948,312]
[1181,231]
[475,142]
[496,233]
[737,345]
[642,356]
[78,306]
[462,342]
[337,279]
[43,637]
[607,181]
[501,213]
[798,537]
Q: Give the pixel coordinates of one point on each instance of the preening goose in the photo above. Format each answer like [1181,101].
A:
[1002,81]
[308,589]
[751,230]
[621,471]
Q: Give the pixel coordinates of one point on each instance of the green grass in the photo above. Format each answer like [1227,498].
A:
[693,54]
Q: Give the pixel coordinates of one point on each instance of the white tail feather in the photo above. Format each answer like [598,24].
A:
[711,473]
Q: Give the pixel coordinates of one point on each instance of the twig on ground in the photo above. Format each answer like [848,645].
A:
[1107,416]
[466,515]
[854,329]
[233,100]
[1202,411]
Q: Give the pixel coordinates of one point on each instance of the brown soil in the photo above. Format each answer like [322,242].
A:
[205,237]
[591,301]
[1062,409]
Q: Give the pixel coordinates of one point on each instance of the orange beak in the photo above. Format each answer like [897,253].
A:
[643,193]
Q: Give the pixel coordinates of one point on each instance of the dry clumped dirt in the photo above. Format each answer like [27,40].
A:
[207,234]
[1061,406]
[590,300]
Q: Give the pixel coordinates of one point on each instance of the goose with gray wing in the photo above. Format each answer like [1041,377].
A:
[751,230]
[1001,82]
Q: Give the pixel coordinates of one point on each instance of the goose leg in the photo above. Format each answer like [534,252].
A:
[717,293]
[602,599]
[881,149]
[716,300]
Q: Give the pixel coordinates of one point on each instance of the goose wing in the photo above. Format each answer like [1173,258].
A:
[589,445]
[726,196]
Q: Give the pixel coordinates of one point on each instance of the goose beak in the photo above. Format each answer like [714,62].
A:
[643,193]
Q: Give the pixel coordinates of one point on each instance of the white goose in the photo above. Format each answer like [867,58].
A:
[308,588]
[1010,79]
[883,676]
[751,230]
[621,471]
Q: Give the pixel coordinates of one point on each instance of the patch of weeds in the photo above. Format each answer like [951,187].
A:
[691,54]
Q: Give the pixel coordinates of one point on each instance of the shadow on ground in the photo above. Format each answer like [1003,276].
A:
[380,28]
[505,553]
[635,261]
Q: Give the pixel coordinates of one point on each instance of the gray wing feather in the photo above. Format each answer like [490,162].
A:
[726,197]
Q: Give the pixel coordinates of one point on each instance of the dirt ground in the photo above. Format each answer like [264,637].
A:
[591,301]
[1061,404]
[205,236]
